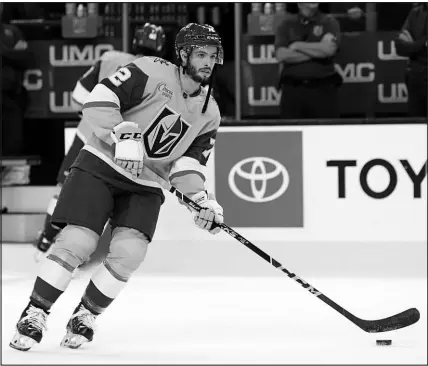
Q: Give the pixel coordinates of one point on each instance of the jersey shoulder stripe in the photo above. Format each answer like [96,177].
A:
[158,68]
[91,77]
[111,61]
[129,84]
[201,147]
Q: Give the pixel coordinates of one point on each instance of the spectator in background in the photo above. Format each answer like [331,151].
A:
[15,59]
[306,44]
[412,43]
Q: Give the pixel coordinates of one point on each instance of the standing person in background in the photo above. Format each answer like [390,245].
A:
[14,59]
[306,44]
[149,40]
[412,43]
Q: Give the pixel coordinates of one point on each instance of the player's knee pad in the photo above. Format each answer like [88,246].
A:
[128,249]
[74,245]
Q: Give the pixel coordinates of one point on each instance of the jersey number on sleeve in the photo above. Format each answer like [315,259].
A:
[120,76]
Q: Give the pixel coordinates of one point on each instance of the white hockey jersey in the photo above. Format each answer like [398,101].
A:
[177,137]
[107,65]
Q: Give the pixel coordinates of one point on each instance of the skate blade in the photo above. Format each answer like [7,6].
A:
[73,341]
[21,342]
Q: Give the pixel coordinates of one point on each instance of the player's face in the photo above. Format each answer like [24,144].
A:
[201,63]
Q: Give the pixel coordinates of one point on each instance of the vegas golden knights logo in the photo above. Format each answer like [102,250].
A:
[164,133]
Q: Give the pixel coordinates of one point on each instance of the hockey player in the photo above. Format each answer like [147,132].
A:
[149,40]
[150,114]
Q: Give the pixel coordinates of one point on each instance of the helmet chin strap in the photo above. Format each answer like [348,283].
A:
[188,53]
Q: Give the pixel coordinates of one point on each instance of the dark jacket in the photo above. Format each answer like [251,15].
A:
[13,61]
[416,25]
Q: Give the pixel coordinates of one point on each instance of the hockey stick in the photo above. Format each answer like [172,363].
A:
[401,320]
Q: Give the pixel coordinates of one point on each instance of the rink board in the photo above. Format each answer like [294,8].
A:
[358,184]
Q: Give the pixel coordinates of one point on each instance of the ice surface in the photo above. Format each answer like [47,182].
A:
[247,320]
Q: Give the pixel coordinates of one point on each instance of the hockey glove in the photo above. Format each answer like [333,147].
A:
[129,150]
[212,212]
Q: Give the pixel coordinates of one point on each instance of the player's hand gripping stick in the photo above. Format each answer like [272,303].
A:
[129,152]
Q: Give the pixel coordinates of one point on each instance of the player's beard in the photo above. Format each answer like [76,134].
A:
[193,73]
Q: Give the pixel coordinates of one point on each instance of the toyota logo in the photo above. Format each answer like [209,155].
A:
[259,172]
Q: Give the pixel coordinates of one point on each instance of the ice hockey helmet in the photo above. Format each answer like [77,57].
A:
[198,35]
[149,37]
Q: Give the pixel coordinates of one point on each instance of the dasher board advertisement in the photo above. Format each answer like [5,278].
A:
[323,183]
[364,183]
[259,177]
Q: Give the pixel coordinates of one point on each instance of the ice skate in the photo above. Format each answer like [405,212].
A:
[29,328]
[80,328]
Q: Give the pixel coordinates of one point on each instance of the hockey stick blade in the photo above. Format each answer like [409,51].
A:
[398,321]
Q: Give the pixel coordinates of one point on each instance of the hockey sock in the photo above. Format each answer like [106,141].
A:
[103,288]
[52,281]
